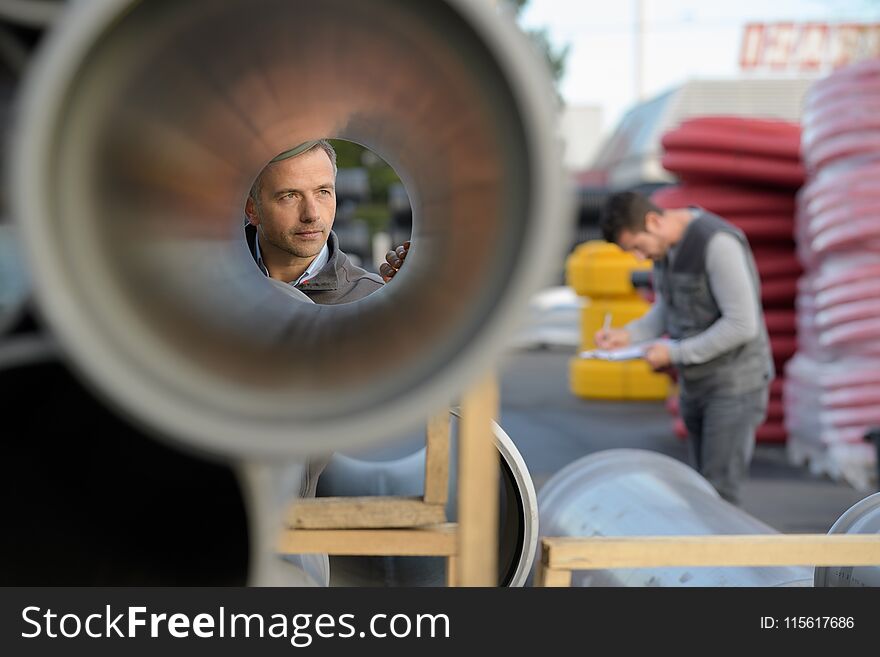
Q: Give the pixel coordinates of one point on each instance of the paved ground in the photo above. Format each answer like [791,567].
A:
[552,428]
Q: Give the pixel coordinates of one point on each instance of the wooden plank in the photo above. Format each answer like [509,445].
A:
[743,550]
[451,571]
[437,458]
[478,487]
[363,513]
[554,577]
[428,541]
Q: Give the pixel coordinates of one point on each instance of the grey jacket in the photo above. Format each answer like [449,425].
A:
[340,280]
[691,309]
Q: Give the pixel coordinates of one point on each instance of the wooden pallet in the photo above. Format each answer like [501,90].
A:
[561,556]
[417,526]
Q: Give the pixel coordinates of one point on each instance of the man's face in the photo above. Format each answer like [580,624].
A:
[646,244]
[297,204]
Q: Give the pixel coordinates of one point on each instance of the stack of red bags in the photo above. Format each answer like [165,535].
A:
[832,395]
[747,171]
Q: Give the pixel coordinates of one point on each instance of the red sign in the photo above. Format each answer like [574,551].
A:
[807,46]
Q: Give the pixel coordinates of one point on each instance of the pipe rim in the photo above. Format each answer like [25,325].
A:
[42,109]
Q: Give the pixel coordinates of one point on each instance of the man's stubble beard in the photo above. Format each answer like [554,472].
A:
[288,244]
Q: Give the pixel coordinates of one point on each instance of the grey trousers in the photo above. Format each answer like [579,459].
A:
[721,430]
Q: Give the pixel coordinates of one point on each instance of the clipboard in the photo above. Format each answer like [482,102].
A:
[634,352]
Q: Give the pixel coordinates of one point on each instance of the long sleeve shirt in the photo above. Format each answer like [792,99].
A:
[727,269]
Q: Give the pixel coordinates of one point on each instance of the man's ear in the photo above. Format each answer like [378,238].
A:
[653,221]
[250,209]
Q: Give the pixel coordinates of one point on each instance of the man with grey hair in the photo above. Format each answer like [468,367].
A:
[290,212]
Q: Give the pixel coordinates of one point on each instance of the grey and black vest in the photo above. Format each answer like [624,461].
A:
[691,309]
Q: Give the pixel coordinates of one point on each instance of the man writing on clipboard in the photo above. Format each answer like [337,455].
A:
[708,301]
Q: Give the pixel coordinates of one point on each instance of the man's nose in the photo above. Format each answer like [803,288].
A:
[309,210]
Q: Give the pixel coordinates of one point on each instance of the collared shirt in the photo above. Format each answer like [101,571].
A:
[338,281]
[314,267]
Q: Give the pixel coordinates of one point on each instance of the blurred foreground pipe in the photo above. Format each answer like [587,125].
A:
[861,518]
[141,127]
[36,14]
[268,489]
[517,528]
[630,492]
[14,287]
[90,500]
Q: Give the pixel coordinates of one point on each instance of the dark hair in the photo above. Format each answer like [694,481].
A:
[625,211]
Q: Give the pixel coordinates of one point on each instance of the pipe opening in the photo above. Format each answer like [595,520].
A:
[517,515]
[144,125]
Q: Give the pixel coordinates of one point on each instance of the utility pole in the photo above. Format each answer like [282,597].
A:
[639,54]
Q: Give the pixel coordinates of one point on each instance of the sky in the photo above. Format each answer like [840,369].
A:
[683,39]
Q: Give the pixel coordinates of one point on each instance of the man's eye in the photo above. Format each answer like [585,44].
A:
[325,192]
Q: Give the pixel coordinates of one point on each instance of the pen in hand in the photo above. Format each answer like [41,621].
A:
[603,334]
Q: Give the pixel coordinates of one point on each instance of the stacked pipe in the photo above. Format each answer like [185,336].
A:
[635,492]
[150,428]
[747,171]
[832,394]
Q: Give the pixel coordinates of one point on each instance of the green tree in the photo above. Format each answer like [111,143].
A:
[555,57]
[374,212]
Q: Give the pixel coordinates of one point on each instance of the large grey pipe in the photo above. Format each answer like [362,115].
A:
[141,128]
[517,518]
[630,492]
[14,286]
[32,13]
[861,518]
[92,500]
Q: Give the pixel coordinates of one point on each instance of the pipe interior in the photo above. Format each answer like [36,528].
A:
[156,140]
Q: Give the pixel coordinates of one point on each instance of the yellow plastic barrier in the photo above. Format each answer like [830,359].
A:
[602,273]
[600,269]
[622,311]
[632,380]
